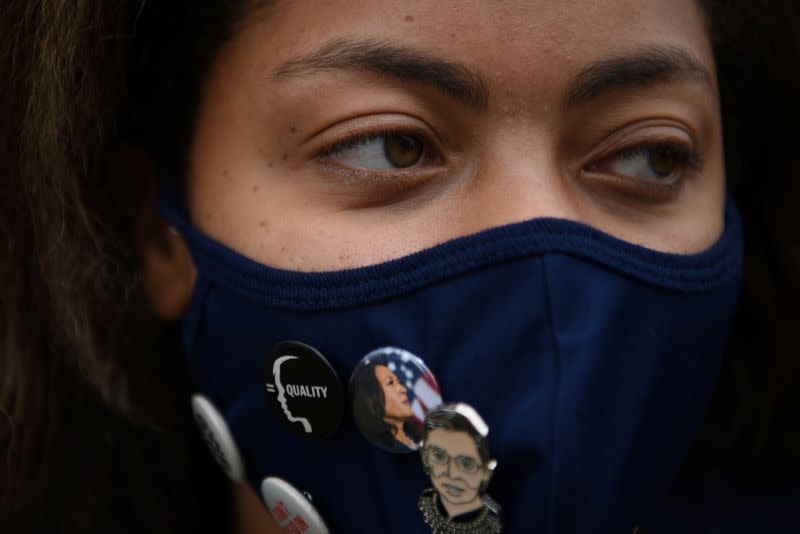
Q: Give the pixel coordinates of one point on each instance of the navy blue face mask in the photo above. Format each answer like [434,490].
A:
[591,360]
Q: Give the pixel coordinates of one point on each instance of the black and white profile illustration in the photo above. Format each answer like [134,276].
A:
[392,391]
[276,373]
[455,455]
[303,390]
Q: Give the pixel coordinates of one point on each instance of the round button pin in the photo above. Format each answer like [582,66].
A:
[392,391]
[290,508]
[303,390]
[218,437]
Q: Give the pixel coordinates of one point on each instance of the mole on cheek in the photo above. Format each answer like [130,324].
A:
[292,129]
[409,18]
[263,223]
[285,156]
[255,189]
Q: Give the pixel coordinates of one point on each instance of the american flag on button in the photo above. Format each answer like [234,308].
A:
[423,391]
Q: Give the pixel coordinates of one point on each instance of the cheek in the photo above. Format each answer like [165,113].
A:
[473,480]
[438,470]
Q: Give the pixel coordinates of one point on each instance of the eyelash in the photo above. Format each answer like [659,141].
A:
[354,141]
[683,151]
[687,157]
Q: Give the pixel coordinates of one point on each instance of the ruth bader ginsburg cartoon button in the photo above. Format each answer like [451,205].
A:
[392,391]
[455,455]
[218,437]
[303,390]
[290,508]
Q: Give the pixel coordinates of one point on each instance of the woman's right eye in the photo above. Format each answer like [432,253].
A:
[380,151]
[656,162]
[438,455]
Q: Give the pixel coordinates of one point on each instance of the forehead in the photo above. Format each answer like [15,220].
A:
[512,42]
[455,443]
[383,372]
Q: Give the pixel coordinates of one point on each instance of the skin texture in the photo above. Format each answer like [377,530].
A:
[261,182]
[396,409]
[256,182]
[458,490]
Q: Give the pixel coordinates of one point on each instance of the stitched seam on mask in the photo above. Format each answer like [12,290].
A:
[519,248]
[303,290]
[548,240]
[375,287]
[551,512]
[566,242]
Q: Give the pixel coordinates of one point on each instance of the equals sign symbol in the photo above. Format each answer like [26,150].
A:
[271,388]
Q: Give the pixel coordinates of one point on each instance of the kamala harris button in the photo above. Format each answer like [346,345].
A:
[303,390]
[218,437]
[290,508]
[392,391]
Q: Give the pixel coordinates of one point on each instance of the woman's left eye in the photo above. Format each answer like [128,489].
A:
[381,151]
[659,162]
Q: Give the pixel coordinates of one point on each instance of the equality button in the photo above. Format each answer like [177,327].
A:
[290,508]
[303,390]
[218,437]
[392,391]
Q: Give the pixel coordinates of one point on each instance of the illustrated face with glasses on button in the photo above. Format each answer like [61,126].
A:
[456,456]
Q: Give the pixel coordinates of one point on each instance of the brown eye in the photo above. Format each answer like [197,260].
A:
[402,150]
[663,162]
[379,151]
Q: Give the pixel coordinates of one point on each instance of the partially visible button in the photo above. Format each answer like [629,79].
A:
[392,391]
[303,390]
[290,508]
[218,437]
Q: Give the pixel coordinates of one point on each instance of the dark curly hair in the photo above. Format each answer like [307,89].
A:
[448,417]
[368,406]
[94,423]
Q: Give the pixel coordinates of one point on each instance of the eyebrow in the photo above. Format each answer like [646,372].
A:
[406,64]
[641,68]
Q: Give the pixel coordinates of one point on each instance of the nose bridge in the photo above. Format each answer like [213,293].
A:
[452,466]
[446,466]
[453,460]
[518,177]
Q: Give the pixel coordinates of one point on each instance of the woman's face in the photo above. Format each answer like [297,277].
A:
[455,467]
[344,133]
[396,405]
